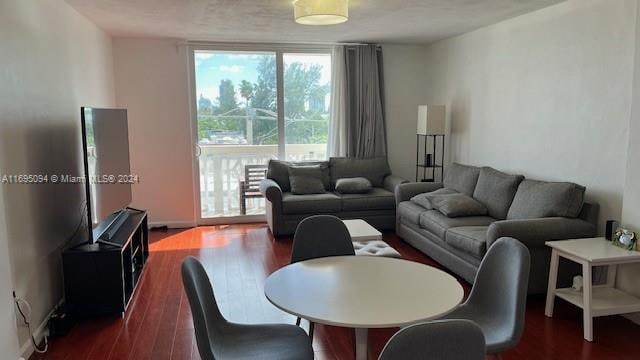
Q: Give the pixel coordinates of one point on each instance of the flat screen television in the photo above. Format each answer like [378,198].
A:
[105,139]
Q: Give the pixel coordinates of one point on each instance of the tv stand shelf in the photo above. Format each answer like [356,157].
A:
[101,278]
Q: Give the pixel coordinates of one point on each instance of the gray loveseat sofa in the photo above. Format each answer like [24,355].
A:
[528,210]
[377,206]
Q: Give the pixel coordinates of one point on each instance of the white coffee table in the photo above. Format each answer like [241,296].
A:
[594,300]
[363,292]
[361,231]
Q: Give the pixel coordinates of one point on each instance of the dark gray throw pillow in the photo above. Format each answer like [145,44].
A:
[373,169]
[278,171]
[540,199]
[458,205]
[496,190]
[356,185]
[424,199]
[306,180]
[461,178]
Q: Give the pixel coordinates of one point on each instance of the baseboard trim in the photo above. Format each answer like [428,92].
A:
[230,220]
[173,224]
[245,219]
[27,349]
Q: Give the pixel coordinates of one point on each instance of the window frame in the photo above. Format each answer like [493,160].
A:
[280,49]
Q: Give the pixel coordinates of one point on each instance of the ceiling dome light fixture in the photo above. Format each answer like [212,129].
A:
[321,12]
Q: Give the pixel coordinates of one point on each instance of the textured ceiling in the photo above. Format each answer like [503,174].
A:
[401,21]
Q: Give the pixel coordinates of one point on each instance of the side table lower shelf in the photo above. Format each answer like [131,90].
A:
[605,300]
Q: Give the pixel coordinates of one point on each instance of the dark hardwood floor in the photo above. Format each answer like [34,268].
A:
[238,258]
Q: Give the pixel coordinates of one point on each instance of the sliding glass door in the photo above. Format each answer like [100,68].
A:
[249,107]
[307,92]
[236,126]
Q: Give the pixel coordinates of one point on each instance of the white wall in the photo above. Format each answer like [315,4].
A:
[53,62]
[151,81]
[8,334]
[404,73]
[547,95]
[628,279]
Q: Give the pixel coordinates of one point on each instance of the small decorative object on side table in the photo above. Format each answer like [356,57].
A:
[625,239]
[430,133]
[599,300]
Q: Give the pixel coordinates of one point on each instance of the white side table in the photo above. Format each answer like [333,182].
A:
[598,300]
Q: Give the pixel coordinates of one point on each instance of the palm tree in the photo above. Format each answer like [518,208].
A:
[246,91]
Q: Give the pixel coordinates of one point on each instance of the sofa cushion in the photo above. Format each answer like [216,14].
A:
[438,224]
[357,185]
[311,204]
[424,199]
[278,171]
[496,190]
[373,169]
[470,239]
[306,180]
[376,199]
[458,205]
[461,178]
[410,211]
[540,199]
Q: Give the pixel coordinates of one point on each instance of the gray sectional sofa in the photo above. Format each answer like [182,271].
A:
[285,209]
[484,205]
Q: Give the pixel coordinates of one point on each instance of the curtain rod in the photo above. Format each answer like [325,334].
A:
[281,43]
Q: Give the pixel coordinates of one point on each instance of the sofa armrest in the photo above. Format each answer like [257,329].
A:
[391,181]
[271,190]
[406,191]
[534,232]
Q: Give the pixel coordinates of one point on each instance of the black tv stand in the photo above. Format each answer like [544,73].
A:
[119,218]
[101,278]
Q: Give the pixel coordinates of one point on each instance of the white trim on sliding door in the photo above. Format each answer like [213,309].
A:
[193,116]
[280,100]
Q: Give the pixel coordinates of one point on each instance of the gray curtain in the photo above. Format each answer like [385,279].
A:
[366,131]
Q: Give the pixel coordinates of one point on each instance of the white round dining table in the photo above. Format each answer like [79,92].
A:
[363,292]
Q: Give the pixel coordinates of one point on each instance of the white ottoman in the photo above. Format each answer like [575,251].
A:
[360,230]
[375,248]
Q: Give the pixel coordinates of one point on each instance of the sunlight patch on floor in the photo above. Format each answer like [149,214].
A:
[203,237]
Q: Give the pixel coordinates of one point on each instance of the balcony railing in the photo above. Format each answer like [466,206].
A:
[222,168]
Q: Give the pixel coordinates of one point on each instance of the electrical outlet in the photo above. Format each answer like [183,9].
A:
[19,322]
[20,318]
